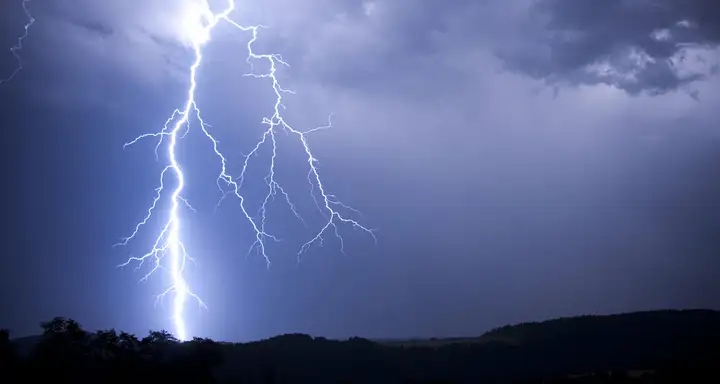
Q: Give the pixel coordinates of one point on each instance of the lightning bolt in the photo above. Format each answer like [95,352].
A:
[168,252]
[19,45]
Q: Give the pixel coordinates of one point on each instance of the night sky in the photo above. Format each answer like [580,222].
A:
[520,160]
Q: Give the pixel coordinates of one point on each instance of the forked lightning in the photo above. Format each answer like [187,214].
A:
[168,252]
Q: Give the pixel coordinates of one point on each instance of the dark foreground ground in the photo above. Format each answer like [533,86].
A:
[643,347]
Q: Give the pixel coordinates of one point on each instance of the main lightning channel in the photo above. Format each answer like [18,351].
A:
[19,44]
[168,243]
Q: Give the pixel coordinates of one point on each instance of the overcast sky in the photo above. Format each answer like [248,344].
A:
[520,160]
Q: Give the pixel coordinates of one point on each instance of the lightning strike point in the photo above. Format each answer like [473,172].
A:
[168,252]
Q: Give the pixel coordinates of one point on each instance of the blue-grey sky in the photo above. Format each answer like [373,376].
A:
[520,160]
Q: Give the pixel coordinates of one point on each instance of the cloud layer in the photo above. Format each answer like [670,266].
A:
[640,46]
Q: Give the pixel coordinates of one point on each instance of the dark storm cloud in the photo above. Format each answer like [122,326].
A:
[391,47]
[635,45]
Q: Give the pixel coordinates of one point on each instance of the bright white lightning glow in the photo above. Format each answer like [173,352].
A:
[169,242]
[19,45]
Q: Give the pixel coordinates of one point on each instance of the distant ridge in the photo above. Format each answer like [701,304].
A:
[669,320]
[515,334]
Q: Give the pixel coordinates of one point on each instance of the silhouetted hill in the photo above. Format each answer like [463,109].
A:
[647,324]
[675,346]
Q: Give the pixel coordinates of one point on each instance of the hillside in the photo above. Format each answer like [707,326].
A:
[678,343]
[647,324]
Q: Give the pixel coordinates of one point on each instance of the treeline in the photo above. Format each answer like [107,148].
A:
[662,346]
[66,353]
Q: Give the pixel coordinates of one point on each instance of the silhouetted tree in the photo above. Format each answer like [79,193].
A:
[63,350]
[159,337]
[8,358]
